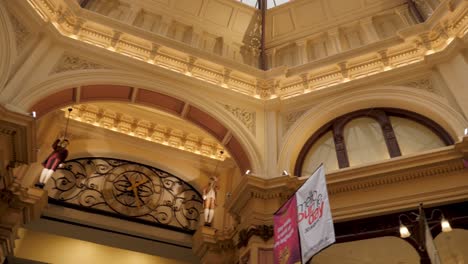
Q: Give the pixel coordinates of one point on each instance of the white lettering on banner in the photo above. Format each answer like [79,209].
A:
[285,232]
[315,221]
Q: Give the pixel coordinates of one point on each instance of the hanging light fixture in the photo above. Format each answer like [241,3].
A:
[444,223]
[404,232]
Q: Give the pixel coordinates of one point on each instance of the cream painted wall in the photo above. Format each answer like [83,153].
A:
[369,251]
[63,250]
[393,250]
[452,246]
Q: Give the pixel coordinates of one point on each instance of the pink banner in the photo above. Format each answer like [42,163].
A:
[287,248]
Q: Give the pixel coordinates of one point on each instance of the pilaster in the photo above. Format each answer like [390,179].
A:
[271,60]
[454,74]
[133,13]
[302,51]
[369,29]
[334,36]
[404,13]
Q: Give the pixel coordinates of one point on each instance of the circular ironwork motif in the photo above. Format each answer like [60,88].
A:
[136,191]
[132,190]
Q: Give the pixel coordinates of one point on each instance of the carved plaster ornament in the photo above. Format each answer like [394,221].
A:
[425,84]
[21,32]
[291,118]
[74,63]
[256,36]
[245,116]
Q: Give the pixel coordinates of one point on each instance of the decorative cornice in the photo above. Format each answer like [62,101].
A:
[157,133]
[441,168]
[73,63]
[443,162]
[413,46]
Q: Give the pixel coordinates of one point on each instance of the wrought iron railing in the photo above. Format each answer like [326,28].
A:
[127,190]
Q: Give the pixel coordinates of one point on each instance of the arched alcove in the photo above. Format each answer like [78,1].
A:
[371,135]
[166,103]
[397,97]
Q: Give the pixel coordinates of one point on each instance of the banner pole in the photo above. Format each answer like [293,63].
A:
[294,193]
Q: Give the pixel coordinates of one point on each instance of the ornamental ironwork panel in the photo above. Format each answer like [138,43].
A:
[127,190]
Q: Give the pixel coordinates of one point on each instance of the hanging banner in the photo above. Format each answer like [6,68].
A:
[286,248]
[315,221]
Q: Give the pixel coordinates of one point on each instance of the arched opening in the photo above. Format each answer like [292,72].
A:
[370,135]
[166,103]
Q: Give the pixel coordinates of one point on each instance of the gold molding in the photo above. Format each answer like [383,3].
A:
[159,133]
[414,45]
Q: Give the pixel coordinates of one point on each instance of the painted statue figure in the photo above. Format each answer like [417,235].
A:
[209,198]
[53,161]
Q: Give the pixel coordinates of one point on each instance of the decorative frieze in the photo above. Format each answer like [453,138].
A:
[74,63]
[245,116]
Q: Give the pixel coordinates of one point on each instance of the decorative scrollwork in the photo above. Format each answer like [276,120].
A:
[135,191]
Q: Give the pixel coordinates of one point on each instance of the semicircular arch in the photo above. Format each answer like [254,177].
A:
[399,97]
[108,85]
[7,46]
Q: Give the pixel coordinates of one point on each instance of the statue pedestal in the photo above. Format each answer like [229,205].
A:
[212,247]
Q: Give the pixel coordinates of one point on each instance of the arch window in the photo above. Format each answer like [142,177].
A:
[367,136]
